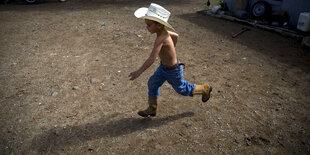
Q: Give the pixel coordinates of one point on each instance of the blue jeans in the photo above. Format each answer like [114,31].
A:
[174,78]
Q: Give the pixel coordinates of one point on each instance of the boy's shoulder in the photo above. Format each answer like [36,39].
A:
[162,38]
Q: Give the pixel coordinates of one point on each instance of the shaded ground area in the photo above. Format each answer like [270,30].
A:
[64,85]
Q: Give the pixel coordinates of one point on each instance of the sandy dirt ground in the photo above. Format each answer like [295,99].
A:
[64,86]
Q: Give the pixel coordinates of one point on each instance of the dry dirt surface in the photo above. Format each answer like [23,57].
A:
[64,86]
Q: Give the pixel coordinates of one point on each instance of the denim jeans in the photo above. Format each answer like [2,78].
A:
[174,78]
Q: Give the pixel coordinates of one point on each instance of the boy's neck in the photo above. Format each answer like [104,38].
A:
[160,32]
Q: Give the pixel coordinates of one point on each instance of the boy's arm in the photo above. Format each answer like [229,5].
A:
[174,36]
[157,47]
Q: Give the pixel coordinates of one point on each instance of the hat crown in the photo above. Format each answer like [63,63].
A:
[158,11]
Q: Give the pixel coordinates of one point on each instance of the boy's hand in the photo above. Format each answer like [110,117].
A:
[134,75]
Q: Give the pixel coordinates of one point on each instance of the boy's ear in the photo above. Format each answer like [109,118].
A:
[159,25]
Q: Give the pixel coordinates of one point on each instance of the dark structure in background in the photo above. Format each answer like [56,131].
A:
[294,13]
[27,1]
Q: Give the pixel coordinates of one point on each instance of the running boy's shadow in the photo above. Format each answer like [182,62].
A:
[57,137]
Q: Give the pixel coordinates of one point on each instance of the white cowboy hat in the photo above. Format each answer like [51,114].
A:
[156,13]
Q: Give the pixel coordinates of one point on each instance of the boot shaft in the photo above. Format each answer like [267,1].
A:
[200,89]
[152,103]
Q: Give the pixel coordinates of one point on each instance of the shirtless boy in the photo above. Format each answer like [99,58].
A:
[171,70]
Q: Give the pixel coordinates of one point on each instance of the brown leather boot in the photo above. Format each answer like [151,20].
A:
[204,90]
[151,110]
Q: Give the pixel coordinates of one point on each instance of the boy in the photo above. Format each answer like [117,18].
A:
[156,18]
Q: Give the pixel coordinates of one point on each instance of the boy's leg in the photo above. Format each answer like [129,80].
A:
[155,81]
[175,79]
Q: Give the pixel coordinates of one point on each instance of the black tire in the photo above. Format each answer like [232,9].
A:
[260,10]
[31,1]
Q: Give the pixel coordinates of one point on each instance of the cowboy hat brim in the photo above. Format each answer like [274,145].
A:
[141,13]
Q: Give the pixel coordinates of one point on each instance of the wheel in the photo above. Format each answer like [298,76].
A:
[260,10]
[31,1]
